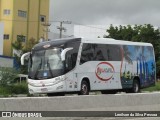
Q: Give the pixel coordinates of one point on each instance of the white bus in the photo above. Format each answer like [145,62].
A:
[82,65]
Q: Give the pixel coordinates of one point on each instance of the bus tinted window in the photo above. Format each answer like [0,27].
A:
[113,53]
[107,52]
[100,52]
[87,53]
[71,56]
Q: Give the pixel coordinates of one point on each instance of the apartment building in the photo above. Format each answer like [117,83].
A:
[23,19]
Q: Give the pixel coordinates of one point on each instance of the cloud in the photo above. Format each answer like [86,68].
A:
[103,12]
[106,11]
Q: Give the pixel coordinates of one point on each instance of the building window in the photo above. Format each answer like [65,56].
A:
[6,12]
[21,38]
[22,13]
[6,37]
[42,18]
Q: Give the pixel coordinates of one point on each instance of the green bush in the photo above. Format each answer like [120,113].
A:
[4,91]
[7,75]
[19,88]
[153,88]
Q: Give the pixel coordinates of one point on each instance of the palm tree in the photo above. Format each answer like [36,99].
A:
[138,59]
[144,67]
[137,65]
[127,55]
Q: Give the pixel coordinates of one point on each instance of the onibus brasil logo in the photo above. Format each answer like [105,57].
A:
[104,71]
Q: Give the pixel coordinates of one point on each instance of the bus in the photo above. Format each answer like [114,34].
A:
[82,65]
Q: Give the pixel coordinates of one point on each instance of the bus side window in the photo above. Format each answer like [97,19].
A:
[87,53]
[70,60]
[109,55]
[100,52]
[68,63]
[113,53]
[71,56]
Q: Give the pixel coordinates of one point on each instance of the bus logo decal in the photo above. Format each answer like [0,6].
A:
[46,46]
[104,71]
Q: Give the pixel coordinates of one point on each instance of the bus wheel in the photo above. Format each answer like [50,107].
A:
[135,87]
[84,88]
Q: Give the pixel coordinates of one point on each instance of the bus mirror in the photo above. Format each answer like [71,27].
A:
[63,54]
[23,57]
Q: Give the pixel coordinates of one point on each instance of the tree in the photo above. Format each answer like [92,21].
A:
[20,48]
[138,33]
[30,45]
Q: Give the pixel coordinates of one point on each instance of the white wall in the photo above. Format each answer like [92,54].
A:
[55,36]
[6,61]
[90,31]
[1,37]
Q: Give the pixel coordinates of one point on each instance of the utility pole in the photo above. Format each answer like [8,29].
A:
[46,30]
[61,28]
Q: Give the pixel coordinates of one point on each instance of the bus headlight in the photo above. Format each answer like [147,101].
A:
[60,78]
[63,78]
[57,79]
[59,87]
[30,91]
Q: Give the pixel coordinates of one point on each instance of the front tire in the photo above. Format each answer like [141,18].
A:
[84,88]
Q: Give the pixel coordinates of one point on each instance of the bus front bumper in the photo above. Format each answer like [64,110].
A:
[59,87]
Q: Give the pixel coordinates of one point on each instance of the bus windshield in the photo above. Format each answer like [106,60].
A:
[45,64]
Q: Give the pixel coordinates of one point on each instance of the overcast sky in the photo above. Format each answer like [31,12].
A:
[103,12]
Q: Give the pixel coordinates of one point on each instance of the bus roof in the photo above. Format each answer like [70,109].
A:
[113,41]
[58,42]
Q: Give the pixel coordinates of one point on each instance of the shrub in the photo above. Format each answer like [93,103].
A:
[7,75]
[4,91]
[19,88]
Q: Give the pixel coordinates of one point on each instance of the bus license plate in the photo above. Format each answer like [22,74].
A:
[44,89]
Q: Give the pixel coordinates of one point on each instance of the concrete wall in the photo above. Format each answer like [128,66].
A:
[90,31]
[55,36]
[1,37]
[142,101]
[6,61]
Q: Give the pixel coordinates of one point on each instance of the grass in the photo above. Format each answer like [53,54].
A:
[153,88]
[13,89]
[4,91]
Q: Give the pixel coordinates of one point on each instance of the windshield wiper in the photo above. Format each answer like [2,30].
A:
[49,66]
[37,71]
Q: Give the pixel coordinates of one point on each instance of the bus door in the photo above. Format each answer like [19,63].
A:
[71,81]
